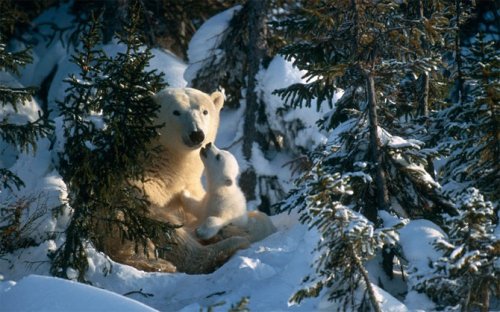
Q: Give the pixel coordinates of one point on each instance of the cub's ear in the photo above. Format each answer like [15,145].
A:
[218,99]
[228,182]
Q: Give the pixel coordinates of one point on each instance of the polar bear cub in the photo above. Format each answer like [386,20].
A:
[224,202]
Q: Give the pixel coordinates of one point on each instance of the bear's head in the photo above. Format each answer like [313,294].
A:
[190,117]
[221,166]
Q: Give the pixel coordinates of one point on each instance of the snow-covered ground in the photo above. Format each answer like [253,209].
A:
[268,272]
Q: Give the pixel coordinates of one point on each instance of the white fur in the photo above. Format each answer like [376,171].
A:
[224,204]
[182,112]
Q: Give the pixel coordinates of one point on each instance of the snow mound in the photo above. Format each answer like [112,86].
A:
[417,239]
[281,74]
[205,40]
[42,293]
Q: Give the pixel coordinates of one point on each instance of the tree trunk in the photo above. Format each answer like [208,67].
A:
[423,107]
[382,194]
[458,54]
[371,292]
[421,9]
[256,46]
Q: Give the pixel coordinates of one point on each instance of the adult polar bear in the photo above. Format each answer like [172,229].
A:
[191,120]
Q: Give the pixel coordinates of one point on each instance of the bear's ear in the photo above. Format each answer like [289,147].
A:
[157,97]
[228,182]
[218,99]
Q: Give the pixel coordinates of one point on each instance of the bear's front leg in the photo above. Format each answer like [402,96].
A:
[192,205]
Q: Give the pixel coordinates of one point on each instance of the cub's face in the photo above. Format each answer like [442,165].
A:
[221,166]
[190,117]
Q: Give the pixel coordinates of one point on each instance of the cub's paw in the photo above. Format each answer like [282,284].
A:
[209,228]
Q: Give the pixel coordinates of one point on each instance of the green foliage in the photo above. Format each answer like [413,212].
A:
[23,135]
[468,273]
[372,51]
[330,197]
[166,23]
[472,127]
[340,41]
[388,42]
[108,125]
[12,15]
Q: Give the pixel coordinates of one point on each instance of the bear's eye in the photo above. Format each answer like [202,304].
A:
[217,157]
[176,113]
[205,112]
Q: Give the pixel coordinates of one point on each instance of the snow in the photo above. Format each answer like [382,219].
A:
[24,112]
[163,61]
[397,142]
[173,67]
[417,239]
[280,74]
[205,41]
[54,294]
[47,53]
[268,272]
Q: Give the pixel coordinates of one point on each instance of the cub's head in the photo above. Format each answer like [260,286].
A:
[221,166]
[190,117]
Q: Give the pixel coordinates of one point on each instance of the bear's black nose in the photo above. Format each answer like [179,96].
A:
[197,137]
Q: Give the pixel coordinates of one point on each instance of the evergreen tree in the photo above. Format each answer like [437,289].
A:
[108,125]
[364,62]
[468,274]
[166,23]
[368,49]
[469,135]
[22,135]
[472,126]
[327,200]
[17,16]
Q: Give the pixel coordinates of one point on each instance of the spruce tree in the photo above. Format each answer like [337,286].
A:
[15,228]
[468,273]
[24,135]
[472,126]
[169,24]
[468,135]
[371,162]
[109,128]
